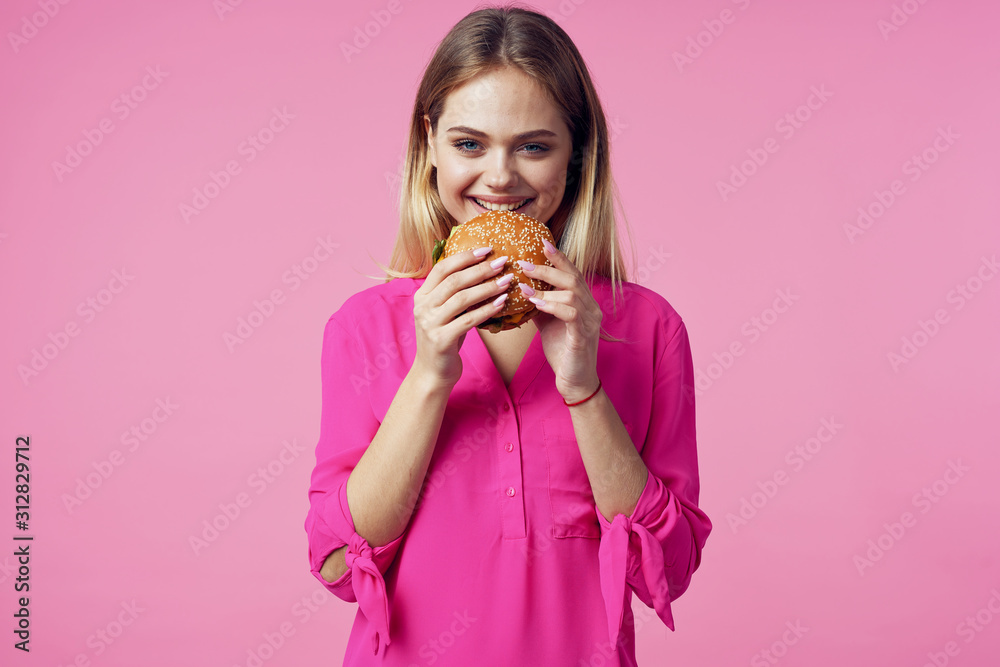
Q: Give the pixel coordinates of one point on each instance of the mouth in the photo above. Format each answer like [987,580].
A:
[487,206]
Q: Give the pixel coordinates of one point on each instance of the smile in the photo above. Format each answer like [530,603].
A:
[501,207]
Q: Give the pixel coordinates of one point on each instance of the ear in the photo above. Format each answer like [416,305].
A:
[431,152]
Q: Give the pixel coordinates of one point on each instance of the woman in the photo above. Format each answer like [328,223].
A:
[496,499]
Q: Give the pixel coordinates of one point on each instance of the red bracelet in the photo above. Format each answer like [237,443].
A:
[588,398]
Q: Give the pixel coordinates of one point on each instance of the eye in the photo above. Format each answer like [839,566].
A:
[461,143]
[541,148]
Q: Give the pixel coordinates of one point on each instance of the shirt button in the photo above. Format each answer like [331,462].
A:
[510,491]
[506,407]
[509,447]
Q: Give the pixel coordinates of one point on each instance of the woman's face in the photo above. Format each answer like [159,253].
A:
[502,141]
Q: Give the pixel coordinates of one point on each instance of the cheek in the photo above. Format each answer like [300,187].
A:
[550,181]
[453,174]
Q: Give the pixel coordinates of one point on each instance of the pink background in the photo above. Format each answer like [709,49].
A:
[329,173]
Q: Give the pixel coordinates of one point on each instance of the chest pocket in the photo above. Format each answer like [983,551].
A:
[571,498]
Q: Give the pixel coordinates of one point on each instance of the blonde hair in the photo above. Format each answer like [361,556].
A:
[584,226]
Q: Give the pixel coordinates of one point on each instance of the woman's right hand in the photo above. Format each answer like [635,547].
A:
[439,306]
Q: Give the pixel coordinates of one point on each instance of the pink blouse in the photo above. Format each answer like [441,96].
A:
[506,560]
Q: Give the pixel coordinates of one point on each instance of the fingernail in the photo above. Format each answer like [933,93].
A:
[525,289]
[482,252]
[499,262]
[505,280]
[527,266]
[500,299]
[537,301]
[548,246]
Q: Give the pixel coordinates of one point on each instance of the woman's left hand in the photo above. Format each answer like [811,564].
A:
[569,323]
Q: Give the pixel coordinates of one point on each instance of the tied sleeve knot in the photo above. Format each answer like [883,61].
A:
[625,535]
[369,589]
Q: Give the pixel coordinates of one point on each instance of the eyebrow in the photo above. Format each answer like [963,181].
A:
[518,137]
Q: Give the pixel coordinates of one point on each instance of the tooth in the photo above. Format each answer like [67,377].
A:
[500,207]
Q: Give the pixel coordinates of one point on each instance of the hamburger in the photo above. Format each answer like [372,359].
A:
[509,233]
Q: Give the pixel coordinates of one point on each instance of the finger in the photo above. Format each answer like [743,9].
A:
[581,325]
[473,297]
[558,259]
[472,318]
[566,305]
[560,264]
[555,307]
[449,265]
[464,278]
[556,277]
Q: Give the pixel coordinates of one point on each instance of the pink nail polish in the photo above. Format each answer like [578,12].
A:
[505,280]
[527,266]
[500,299]
[548,246]
[482,252]
[526,290]
[498,262]
[537,301]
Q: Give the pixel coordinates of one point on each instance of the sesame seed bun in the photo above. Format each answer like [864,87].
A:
[513,234]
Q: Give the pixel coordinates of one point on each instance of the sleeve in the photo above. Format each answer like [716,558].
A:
[657,549]
[347,426]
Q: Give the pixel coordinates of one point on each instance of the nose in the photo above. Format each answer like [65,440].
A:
[501,173]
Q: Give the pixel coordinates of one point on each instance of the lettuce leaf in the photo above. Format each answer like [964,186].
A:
[439,246]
